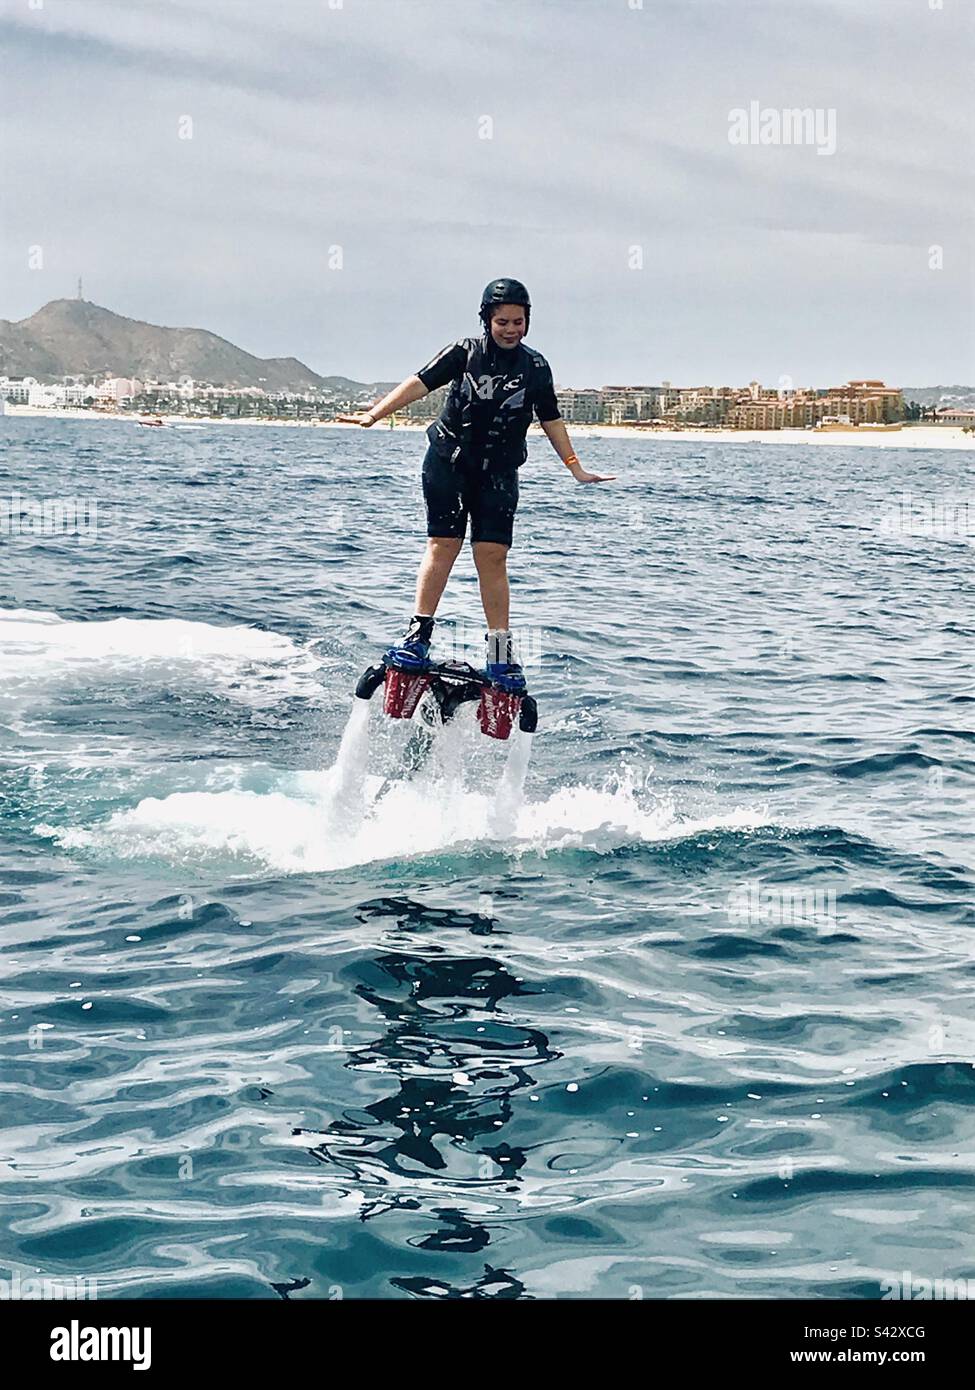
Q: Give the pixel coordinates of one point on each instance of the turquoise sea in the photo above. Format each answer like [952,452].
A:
[674,1000]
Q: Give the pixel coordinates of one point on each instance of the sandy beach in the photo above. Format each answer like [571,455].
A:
[911,437]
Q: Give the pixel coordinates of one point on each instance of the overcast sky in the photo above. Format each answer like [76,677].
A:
[360,124]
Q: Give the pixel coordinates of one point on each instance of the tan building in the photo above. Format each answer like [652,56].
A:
[791,413]
[864,402]
[583,407]
[703,405]
[630,404]
[951,415]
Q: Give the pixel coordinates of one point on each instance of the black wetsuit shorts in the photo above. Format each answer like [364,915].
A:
[454,490]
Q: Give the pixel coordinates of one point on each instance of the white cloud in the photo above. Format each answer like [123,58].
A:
[358,126]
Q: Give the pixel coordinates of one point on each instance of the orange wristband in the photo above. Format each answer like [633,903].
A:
[571,461]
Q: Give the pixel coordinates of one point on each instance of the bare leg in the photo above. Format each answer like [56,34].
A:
[491,559]
[435,567]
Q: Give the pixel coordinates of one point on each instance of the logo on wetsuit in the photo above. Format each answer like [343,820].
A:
[485,386]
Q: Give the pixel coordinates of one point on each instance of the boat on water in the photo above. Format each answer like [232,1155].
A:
[156,423]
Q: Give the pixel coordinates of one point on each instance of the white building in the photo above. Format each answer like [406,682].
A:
[47,397]
[16,389]
[118,388]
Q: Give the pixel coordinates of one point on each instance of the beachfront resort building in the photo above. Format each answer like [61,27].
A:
[865,401]
[118,388]
[950,415]
[16,389]
[755,407]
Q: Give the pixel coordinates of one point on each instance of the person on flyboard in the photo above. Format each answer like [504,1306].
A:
[476,446]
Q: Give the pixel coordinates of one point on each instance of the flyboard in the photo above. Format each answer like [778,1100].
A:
[428,694]
[407,679]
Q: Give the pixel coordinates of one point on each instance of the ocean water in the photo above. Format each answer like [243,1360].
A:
[674,999]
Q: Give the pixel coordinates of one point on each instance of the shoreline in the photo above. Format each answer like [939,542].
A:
[911,437]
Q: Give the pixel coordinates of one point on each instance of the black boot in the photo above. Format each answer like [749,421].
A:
[416,642]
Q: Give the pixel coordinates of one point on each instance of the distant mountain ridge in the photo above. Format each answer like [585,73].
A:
[958,396]
[72,337]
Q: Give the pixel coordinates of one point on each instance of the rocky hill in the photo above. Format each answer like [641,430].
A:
[74,337]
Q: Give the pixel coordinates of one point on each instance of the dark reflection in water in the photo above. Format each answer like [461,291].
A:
[455,1064]
[494,1283]
[292,1286]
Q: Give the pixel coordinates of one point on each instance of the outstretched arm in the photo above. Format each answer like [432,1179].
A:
[404,394]
[558,437]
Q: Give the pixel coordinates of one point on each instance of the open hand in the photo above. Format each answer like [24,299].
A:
[581,476]
[360,417]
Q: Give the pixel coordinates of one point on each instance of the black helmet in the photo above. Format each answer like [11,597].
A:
[504,291]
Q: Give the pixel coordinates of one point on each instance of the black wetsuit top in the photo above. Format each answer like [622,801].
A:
[476,446]
[507,371]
